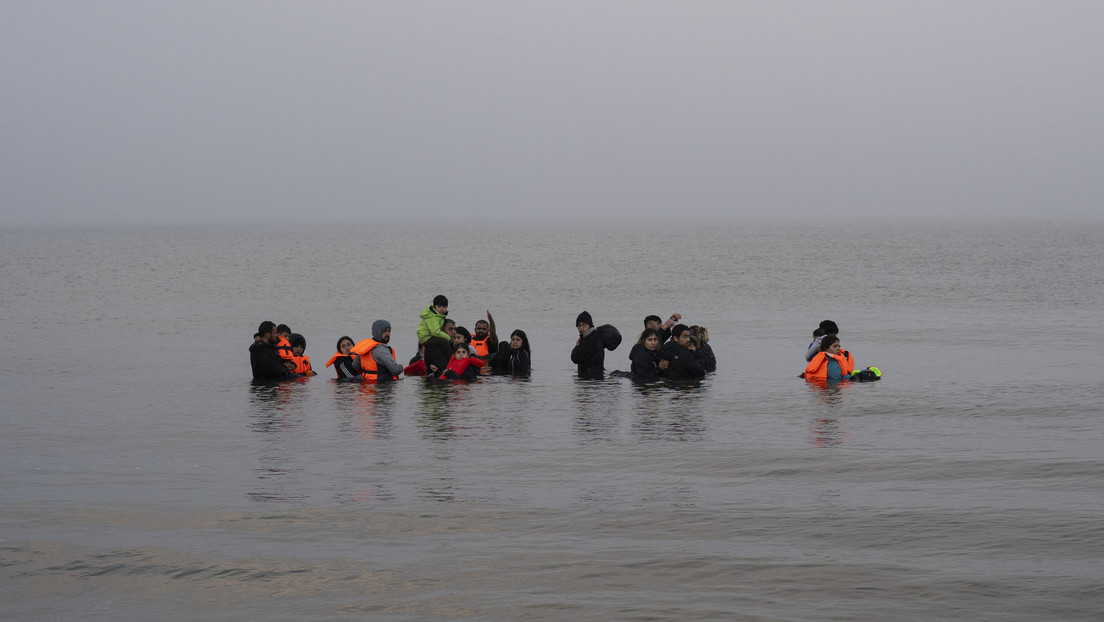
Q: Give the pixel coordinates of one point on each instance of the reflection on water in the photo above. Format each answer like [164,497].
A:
[276,415]
[668,412]
[366,408]
[596,409]
[828,431]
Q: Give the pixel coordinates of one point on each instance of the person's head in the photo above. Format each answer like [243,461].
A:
[298,344]
[381,331]
[460,351]
[462,334]
[828,327]
[345,344]
[701,332]
[519,341]
[695,341]
[267,331]
[482,329]
[440,304]
[681,334]
[584,322]
[653,321]
[449,327]
[649,339]
[283,330]
[830,344]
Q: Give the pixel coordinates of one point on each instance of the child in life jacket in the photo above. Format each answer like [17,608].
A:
[342,360]
[462,366]
[301,362]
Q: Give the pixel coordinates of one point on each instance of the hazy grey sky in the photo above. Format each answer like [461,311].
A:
[195,111]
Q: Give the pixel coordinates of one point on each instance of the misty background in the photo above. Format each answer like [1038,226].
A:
[147,112]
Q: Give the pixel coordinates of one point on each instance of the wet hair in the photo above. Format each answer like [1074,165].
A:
[283,328]
[827,342]
[652,318]
[678,330]
[440,301]
[266,328]
[524,339]
[701,333]
[346,337]
[298,340]
[828,327]
[648,332]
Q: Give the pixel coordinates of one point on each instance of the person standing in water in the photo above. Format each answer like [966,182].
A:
[431,335]
[377,359]
[514,357]
[266,363]
[589,352]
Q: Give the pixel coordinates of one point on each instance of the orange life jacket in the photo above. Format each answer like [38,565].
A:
[283,348]
[817,369]
[368,366]
[302,364]
[480,347]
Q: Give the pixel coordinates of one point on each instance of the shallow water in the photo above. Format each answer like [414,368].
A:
[145,476]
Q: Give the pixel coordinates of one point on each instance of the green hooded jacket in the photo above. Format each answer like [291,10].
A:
[430,326]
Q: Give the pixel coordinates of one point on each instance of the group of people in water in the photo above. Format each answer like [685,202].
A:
[445,351]
[665,349]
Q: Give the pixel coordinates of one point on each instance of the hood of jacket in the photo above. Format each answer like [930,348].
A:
[377,329]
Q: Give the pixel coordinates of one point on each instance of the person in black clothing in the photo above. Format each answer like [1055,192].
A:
[662,329]
[644,357]
[266,363]
[704,351]
[589,352]
[513,357]
[681,362]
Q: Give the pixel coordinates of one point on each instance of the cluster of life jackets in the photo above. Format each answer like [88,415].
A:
[302,363]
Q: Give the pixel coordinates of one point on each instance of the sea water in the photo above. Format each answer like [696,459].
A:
[145,477]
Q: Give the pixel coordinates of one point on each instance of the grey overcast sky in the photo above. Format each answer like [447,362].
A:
[161,112]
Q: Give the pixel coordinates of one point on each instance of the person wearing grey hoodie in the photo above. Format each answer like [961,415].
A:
[386,365]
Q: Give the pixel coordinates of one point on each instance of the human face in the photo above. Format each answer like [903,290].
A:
[297,350]
[684,338]
[442,309]
[270,338]
[461,353]
[345,346]
[834,348]
[450,328]
[515,342]
[583,327]
[481,330]
[651,342]
[652,324]
[385,336]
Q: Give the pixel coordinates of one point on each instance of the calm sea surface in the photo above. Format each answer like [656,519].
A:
[143,476]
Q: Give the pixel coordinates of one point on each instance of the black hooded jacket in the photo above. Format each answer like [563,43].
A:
[590,355]
[267,365]
[682,363]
